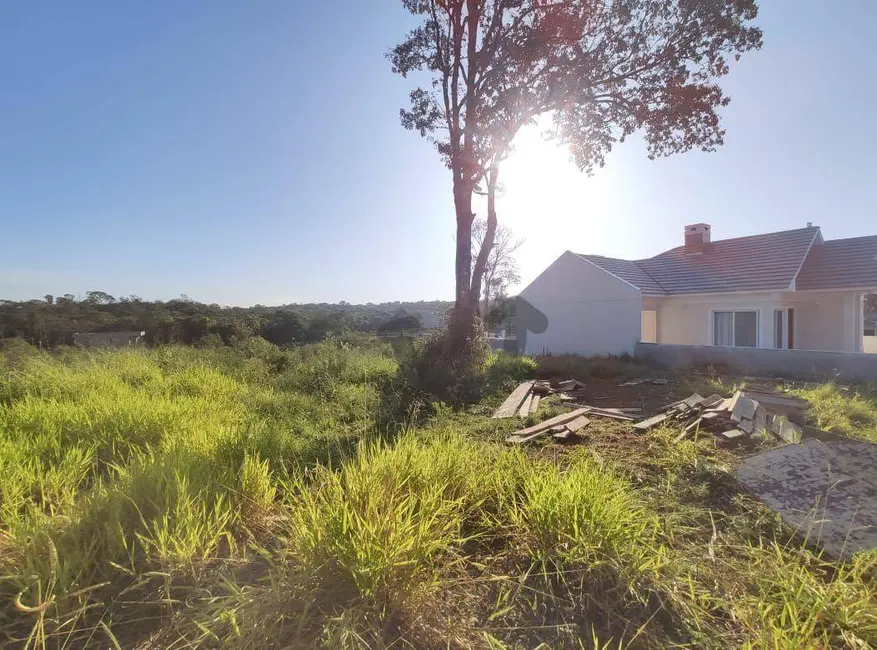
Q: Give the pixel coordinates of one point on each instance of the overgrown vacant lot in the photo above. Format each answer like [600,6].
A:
[250,497]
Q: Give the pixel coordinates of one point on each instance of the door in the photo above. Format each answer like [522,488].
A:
[784,329]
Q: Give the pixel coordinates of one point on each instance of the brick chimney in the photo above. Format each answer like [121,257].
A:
[697,237]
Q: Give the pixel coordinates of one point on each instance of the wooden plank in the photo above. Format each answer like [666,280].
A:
[563,418]
[513,402]
[744,409]
[693,425]
[517,440]
[693,401]
[793,408]
[733,403]
[524,411]
[724,405]
[622,411]
[712,401]
[645,425]
[579,423]
[534,404]
[670,407]
[611,415]
[606,413]
[777,399]
[733,434]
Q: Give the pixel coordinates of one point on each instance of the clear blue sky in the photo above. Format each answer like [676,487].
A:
[250,152]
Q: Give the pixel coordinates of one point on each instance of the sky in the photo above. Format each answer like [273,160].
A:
[251,153]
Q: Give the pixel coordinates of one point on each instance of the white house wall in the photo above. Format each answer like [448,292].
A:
[823,321]
[589,312]
[820,323]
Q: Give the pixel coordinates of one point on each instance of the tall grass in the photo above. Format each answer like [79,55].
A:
[851,412]
[247,497]
[113,464]
[372,542]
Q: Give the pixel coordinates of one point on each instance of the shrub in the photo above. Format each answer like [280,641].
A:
[451,364]
[505,368]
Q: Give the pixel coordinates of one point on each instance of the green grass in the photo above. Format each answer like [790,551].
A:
[250,497]
[851,411]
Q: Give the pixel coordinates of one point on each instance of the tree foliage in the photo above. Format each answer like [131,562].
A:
[184,320]
[603,69]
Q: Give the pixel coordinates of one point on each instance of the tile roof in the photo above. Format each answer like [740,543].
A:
[628,271]
[757,262]
[840,264]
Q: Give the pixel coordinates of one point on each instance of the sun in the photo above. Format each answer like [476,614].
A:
[549,202]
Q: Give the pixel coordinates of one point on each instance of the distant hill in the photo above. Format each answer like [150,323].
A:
[53,321]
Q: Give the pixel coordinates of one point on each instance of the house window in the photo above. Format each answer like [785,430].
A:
[784,329]
[737,329]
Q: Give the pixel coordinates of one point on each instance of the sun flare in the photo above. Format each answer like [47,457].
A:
[549,202]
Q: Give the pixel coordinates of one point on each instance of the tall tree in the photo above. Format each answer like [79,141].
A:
[603,69]
[501,268]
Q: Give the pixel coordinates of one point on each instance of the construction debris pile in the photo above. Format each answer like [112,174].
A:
[733,418]
[730,419]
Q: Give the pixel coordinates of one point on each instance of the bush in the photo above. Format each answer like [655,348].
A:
[451,364]
[506,368]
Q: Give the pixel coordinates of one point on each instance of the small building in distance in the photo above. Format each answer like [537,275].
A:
[109,339]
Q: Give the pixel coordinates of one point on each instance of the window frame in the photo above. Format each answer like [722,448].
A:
[735,311]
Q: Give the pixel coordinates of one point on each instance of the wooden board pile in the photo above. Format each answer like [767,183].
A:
[524,400]
[734,418]
[564,427]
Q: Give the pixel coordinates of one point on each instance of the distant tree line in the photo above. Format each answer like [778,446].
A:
[53,320]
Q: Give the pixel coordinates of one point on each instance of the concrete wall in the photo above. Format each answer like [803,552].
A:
[823,321]
[574,307]
[806,364]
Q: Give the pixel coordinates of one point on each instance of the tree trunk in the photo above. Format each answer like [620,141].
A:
[463,263]
[489,236]
[486,291]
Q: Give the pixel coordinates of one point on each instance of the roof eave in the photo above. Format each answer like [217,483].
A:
[816,235]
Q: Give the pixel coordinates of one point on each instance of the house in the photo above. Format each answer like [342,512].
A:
[108,339]
[790,289]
